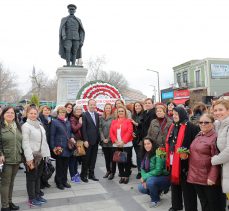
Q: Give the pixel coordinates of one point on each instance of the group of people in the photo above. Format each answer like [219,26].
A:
[187,152]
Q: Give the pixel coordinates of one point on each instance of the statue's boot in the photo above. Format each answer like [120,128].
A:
[73,60]
[68,56]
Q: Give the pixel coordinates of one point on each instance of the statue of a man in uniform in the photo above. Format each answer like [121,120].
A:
[71,37]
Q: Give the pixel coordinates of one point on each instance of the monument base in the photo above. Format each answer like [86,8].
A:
[69,82]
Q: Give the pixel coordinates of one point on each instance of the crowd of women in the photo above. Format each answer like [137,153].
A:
[178,149]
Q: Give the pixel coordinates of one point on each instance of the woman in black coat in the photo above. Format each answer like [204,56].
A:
[181,134]
[137,117]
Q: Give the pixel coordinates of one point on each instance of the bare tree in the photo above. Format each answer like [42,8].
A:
[7,82]
[39,81]
[96,72]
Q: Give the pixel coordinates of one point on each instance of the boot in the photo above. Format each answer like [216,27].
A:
[73,60]
[5,209]
[13,206]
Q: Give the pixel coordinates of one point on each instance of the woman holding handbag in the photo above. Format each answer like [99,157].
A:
[121,134]
[61,133]
[10,155]
[76,126]
[35,148]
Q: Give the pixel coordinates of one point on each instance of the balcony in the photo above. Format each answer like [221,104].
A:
[191,85]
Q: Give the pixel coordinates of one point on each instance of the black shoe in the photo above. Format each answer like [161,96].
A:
[47,185]
[84,179]
[133,165]
[41,193]
[106,175]
[5,209]
[92,177]
[60,186]
[111,176]
[172,209]
[13,206]
[121,180]
[67,185]
[138,176]
[126,180]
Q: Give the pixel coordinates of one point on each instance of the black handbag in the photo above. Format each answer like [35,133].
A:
[47,171]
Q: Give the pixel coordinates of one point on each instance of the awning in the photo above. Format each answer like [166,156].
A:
[180,101]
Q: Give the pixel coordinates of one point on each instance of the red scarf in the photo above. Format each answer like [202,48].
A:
[175,174]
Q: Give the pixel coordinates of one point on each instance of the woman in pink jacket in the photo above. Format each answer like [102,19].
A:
[121,134]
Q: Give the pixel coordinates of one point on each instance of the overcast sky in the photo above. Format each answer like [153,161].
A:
[133,35]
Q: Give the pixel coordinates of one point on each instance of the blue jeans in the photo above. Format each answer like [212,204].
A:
[73,166]
[155,185]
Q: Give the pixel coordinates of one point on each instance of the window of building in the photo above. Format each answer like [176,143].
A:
[185,77]
[178,78]
[198,78]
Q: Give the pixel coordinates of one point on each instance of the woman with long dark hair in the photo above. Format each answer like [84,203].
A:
[155,179]
[137,117]
[10,155]
[180,135]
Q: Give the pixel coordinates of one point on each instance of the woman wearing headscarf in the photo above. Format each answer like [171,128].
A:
[181,134]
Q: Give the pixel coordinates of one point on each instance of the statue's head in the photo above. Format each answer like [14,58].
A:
[71,9]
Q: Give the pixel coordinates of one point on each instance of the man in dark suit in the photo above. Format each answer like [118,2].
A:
[91,137]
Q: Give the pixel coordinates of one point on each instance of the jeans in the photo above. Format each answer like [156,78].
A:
[33,178]
[73,166]
[8,175]
[155,185]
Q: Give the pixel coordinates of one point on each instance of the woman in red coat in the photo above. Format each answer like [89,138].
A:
[121,134]
[202,173]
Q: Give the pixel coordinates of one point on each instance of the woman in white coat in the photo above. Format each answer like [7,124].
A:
[34,140]
[221,113]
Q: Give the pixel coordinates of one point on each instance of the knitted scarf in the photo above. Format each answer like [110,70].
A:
[175,174]
[145,165]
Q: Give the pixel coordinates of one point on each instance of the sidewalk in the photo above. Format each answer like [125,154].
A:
[92,196]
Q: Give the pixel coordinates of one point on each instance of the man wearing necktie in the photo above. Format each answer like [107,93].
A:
[91,137]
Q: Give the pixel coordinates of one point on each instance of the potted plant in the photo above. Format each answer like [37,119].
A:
[184,152]
[161,152]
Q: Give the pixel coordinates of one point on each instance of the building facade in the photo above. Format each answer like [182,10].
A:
[204,78]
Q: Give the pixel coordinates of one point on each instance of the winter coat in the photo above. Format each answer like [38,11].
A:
[47,125]
[201,150]
[32,133]
[157,134]
[157,168]
[223,157]
[148,116]
[105,130]
[138,129]
[60,133]
[126,131]
[11,145]
[76,127]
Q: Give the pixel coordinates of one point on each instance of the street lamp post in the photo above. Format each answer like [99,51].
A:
[158,83]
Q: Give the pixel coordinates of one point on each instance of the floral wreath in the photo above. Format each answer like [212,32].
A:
[94,89]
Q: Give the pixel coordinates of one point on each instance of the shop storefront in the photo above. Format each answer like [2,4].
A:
[181,96]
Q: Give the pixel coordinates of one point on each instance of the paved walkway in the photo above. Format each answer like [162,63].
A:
[104,195]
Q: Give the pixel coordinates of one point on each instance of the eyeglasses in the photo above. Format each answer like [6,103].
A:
[204,123]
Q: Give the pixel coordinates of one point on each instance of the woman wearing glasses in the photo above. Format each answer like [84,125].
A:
[201,172]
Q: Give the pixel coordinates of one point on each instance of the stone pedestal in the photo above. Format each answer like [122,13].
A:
[69,82]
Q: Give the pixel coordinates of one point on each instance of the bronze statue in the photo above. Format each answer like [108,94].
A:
[71,37]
